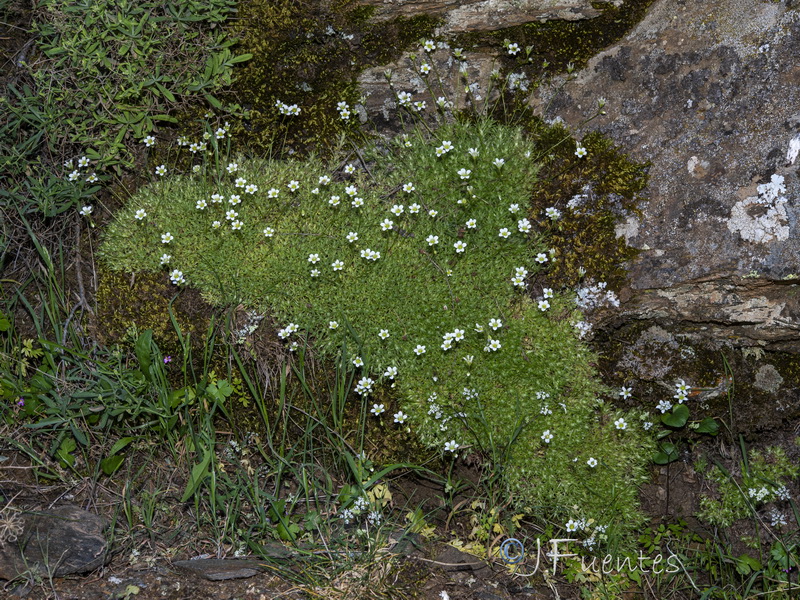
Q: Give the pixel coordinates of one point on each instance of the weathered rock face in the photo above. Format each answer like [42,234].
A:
[709,93]
[484,15]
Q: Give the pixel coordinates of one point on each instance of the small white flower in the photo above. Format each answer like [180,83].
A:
[383,334]
[504,232]
[251,188]
[351,190]
[166,238]
[333,325]
[83,161]
[472,224]
[377,409]
[357,202]
[391,372]
[397,210]
[241,182]
[236,225]
[498,162]
[664,406]
[592,462]
[350,169]
[176,277]
[524,226]
[553,213]
[451,446]
[414,208]
[495,324]
[352,237]
[432,240]
[358,361]
[625,392]
[620,424]
[337,265]
[165,258]
[232,167]
[408,187]
[324,180]
[429,45]
[425,68]
[86,210]
[161,170]
[492,346]
[293,185]
[460,246]
[387,224]
[419,350]
[580,151]
[478,328]
[234,199]
[216,225]
[271,193]
[149,141]
[74,175]
[473,152]
[513,208]
[543,305]
[400,417]
[513,48]
[464,173]
[541,258]
[231,214]
[547,437]
[313,258]
[334,201]
[547,293]
[269,232]
[217,198]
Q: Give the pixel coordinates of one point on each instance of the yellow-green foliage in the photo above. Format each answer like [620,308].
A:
[612,184]
[129,305]
[481,362]
[763,479]
[309,54]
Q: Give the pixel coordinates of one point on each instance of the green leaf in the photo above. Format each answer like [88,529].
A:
[5,324]
[199,473]
[144,353]
[709,426]
[666,454]
[111,464]
[213,101]
[677,418]
[240,58]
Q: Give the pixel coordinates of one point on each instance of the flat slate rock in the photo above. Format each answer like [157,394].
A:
[220,569]
[54,542]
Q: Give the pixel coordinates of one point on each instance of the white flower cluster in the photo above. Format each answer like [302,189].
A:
[594,296]
[291,110]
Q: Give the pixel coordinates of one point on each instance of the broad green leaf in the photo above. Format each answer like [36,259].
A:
[677,418]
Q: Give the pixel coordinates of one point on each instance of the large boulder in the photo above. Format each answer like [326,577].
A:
[709,94]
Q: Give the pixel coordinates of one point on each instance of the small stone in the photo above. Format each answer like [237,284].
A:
[56,542]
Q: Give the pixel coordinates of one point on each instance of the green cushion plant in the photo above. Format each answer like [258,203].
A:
[425,257]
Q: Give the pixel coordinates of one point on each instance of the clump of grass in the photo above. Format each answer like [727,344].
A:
[423,257]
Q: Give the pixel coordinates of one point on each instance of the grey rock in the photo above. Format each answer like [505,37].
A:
[707,92]
[55,542]
[215,569]
[484,15]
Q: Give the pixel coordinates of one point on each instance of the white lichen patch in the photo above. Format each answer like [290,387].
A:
[762,219]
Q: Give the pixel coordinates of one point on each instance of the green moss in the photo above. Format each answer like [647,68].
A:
[309,54]
[127,305]
[585,239]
